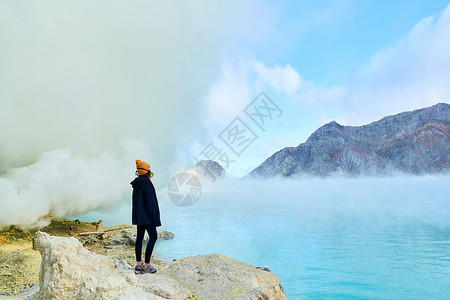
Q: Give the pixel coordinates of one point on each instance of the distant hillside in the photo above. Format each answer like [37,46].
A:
[414,142]
[209,169]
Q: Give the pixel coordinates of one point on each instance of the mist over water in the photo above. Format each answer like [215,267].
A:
[341,238]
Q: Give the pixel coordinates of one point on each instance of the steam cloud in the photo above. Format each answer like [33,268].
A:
[88,87]
[61,184]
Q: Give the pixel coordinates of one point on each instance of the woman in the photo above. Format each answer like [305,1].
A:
[145,214]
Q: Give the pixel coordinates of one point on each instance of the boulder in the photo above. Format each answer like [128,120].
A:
[69,271]
[209,170]
[128,236]
[216,276]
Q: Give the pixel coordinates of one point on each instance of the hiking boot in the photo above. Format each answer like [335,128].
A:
[139,269]
[149,269]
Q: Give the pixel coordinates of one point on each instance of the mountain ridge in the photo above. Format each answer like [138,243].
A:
[413,142]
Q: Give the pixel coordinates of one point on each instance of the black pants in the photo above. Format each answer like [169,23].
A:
[151,230]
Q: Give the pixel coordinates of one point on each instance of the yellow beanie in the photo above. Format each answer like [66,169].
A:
[142,167]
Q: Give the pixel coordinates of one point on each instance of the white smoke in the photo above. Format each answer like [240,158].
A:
[88,87]
[61,184]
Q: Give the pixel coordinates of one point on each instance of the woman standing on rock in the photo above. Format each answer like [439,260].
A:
[145,214]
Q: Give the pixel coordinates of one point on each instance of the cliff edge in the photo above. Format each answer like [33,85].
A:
[69,271]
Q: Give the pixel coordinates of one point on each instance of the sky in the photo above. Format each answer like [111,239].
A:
[350,61]
[88,87]
[327,40]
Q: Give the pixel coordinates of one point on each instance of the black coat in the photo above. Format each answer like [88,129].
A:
[145,204]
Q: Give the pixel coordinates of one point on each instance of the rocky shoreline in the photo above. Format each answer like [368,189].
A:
[96,263]
[19,263]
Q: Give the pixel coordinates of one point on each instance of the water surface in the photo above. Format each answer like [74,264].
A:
[341,239]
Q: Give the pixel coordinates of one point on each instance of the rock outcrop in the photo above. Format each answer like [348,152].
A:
[216,276]
[128,236]
[69,271]
[209,169]
[413,143]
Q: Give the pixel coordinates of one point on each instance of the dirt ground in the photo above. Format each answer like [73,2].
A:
[19,266]
[19,263]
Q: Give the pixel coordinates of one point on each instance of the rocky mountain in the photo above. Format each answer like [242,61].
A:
[209,169]
[415,142]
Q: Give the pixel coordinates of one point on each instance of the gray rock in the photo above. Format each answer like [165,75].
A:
[128,236]
[209,169]
[216,276]
[165,235]
[265,268]
[121,264]
[25,294]
[413,143]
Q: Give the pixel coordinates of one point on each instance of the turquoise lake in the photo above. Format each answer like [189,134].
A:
[325,239]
